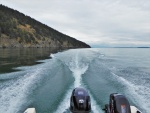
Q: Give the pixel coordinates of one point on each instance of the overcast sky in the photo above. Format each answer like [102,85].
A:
[96,22]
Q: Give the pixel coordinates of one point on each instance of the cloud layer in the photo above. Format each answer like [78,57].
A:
[96,22]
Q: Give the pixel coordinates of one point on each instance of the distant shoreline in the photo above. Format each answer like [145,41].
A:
[120,47]
[65,47]
[61,48]
[131,47]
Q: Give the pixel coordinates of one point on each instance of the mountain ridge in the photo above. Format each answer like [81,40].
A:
[19,30]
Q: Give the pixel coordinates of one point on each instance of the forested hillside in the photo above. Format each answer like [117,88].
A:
[19,30]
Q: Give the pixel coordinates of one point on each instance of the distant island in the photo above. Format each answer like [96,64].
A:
[19,30]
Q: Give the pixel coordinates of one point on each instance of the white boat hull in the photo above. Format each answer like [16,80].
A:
[135,110]
[30,110]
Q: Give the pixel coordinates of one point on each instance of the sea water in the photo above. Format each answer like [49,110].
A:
[102,71]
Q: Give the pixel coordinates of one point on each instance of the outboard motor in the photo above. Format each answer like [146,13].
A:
[80,101]
[117,104]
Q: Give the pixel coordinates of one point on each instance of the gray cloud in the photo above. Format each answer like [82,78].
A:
[96,22]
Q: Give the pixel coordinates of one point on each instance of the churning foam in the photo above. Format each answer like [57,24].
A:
[78,65]
[77,72]
[137,96]
[14,93]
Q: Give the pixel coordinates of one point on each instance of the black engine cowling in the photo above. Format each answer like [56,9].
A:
[117,104]
[80,101]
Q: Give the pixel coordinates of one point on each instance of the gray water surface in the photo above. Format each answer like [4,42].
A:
[15,57]
[48,86]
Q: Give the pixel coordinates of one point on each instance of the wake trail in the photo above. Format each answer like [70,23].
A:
[78,67]
[135,91]
[15,92]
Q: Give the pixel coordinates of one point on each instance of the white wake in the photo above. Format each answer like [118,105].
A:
[78,63]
